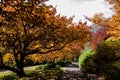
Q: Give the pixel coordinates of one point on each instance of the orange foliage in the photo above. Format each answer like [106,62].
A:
[29,27]
[68,53]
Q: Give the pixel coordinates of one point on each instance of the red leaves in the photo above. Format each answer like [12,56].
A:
[98,37]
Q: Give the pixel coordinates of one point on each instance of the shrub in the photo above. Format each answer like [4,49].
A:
[48,66]
[85,56]
[54,65]
[106,61]
[63,63]
[9,77]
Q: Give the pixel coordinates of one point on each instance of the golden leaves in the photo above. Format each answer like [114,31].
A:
[1,18]
[29,26]
[114,24]
[9,9]
[116,5]
[8,59]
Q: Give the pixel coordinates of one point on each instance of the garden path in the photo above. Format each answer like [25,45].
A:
[73,72]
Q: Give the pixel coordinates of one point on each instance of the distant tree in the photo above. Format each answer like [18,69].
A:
[33,27]
[98,37]
[112,24]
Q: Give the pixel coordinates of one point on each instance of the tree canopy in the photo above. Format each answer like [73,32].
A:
[29,27]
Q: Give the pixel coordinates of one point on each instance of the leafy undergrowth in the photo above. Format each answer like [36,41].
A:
[37,75]
[105,62]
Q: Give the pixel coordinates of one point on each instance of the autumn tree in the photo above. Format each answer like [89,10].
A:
[112,24]
[69,52]
[29,27]
[98,37]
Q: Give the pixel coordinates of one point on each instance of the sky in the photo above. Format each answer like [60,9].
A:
[79,8]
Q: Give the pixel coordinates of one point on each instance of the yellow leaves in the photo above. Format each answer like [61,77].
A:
[35,47]
[50,44]
[116,5]
[48,16]
[54,56]
[114,24]
[9,9]
[33,12]
[97,18]
[68,52]
[8,59]
[115,21]
[29,26]
[100,20]
[1,18]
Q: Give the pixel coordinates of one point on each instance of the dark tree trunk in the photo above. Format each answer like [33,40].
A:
[21,73]
[20,67]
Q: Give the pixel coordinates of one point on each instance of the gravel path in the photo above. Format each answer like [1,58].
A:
[72,72]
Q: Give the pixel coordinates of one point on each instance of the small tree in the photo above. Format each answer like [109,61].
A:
[29,27]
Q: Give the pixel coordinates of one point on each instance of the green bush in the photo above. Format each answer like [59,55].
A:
[48,66]
[85,56]
[53,65]
[106,61]
[9,77]
[63,63]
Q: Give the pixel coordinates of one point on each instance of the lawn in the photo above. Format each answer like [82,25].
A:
[33,74]
[53,74]
[30,68]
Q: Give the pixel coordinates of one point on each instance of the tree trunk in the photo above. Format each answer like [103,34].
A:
[21,72]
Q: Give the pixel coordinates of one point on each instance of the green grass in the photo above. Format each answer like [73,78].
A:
[31,68]
[35,75]
[5,73]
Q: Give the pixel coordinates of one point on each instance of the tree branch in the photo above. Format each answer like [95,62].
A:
[45,52]
[8,68]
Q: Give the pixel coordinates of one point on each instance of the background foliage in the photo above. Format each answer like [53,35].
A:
[106,61]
